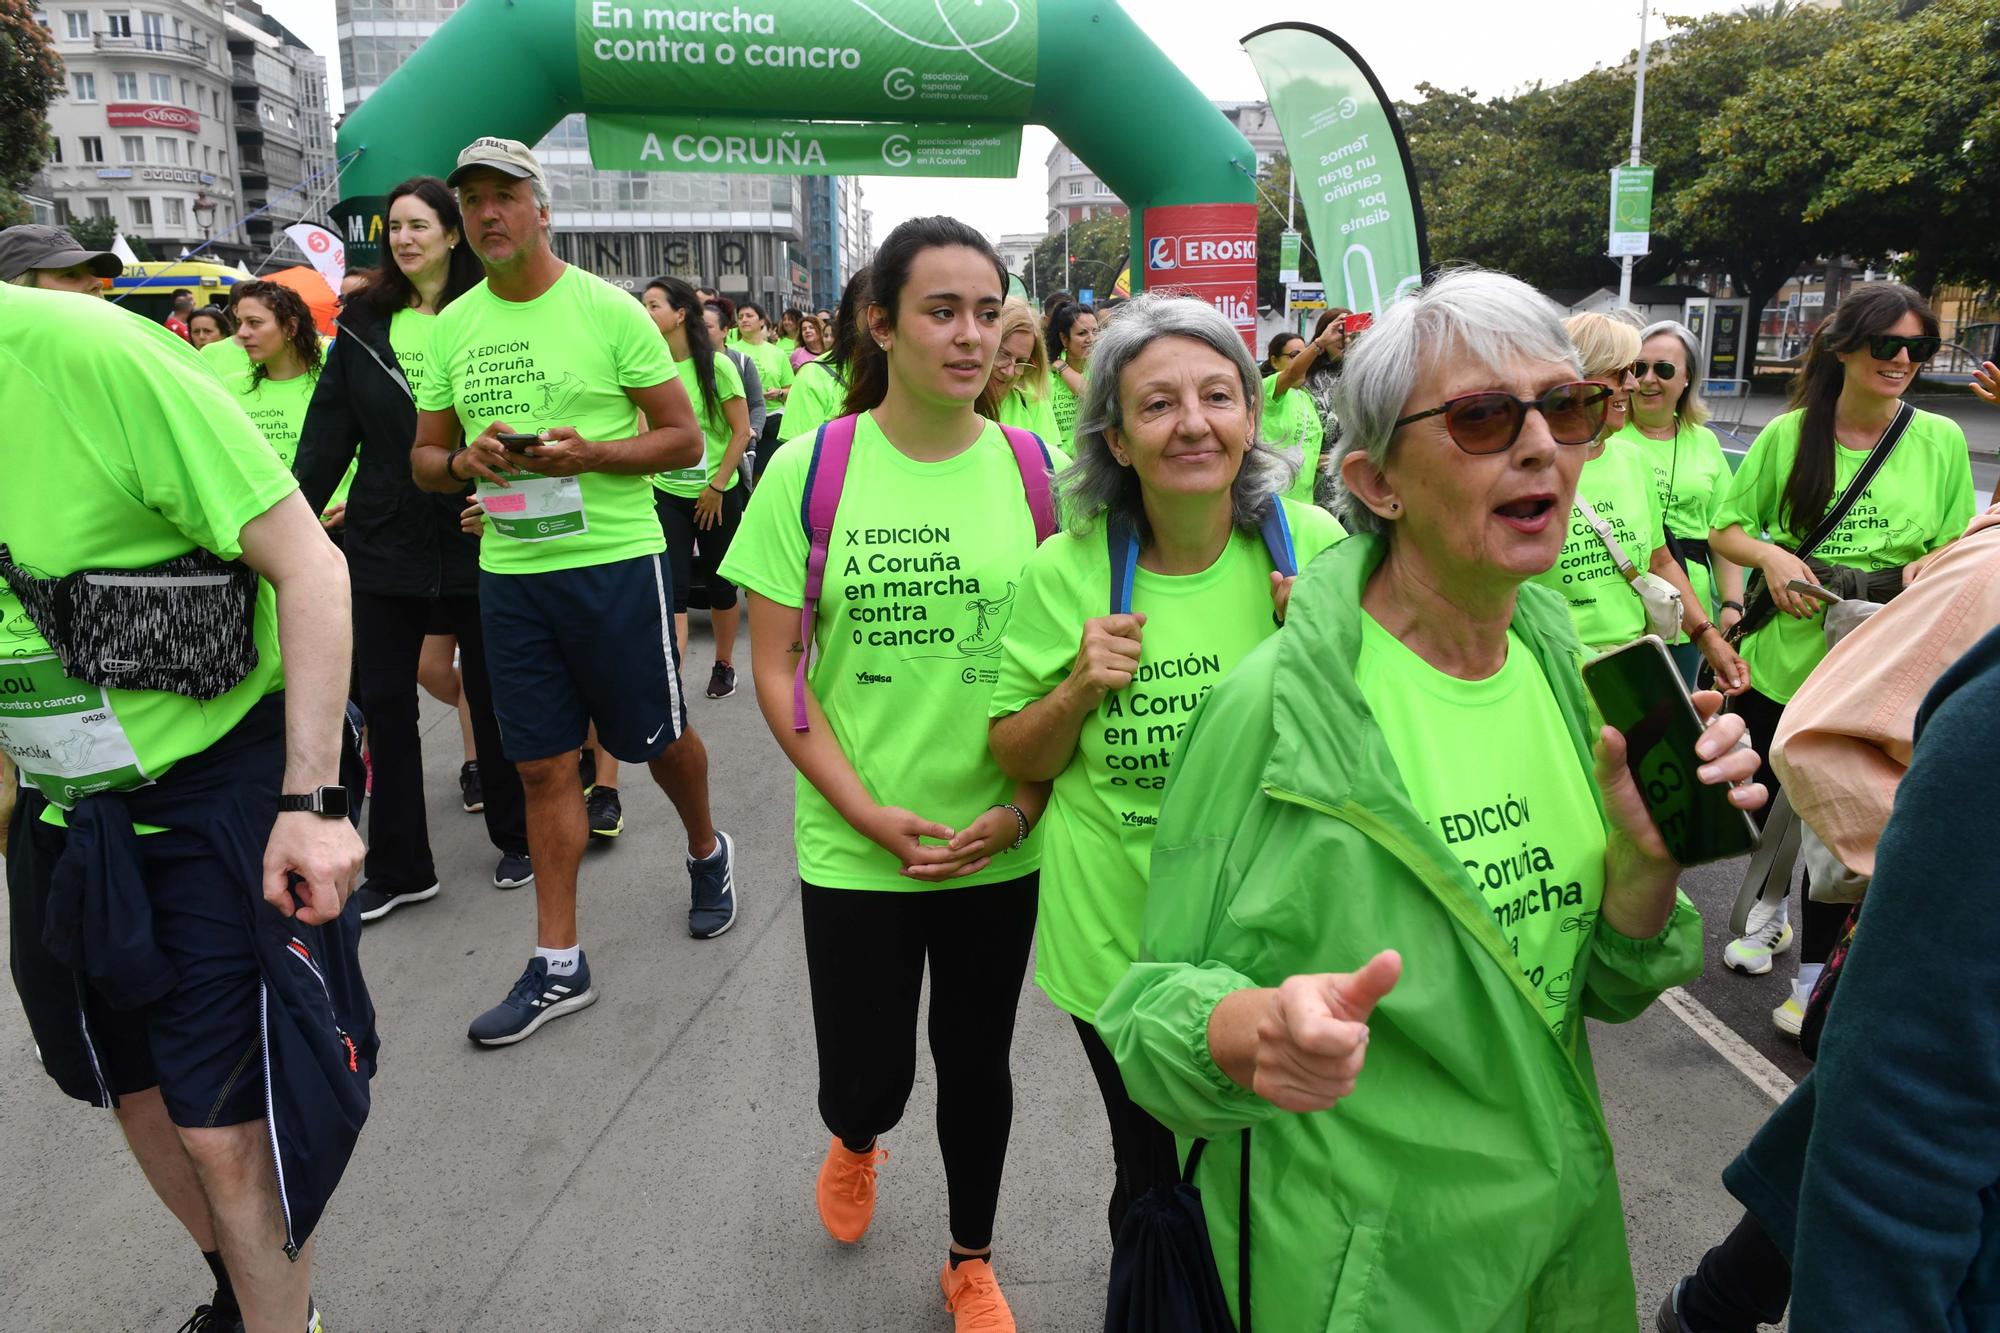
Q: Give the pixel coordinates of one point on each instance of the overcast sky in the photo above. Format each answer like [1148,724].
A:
[1477,44]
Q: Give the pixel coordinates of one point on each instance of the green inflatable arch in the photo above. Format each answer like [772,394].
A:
[867,87]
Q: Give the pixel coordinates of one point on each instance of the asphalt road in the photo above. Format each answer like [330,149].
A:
[648,1163]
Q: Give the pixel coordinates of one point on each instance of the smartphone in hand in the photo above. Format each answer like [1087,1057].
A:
[1355,323]
[1639,691]
[1814,591]
[514,442]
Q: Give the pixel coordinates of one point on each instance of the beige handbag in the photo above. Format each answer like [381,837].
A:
[1661,599]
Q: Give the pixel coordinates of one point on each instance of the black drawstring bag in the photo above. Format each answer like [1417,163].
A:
[1163,1277]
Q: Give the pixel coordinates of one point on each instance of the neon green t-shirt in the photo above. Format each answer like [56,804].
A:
[1292,426]
[690,481]
[1097,837]
[226,358]
[1691,476]
[774,368]
[921,579]
[131,461]
[1618,483]
[1028,411]
[562,359]
[787,346]
[277,408]
[1920,500]
[816,398]
[1063,403]
[1490,767]
[410,334]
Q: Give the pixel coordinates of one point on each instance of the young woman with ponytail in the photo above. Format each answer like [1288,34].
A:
[913,848]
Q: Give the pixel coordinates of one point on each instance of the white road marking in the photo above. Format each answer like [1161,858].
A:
[1752,1063]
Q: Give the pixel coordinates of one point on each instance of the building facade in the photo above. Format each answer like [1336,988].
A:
[1075,194]
[145,133]
[284,135]
[777,240]
[1017,248]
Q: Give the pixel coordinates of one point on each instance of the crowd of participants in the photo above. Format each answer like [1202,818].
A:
[1245,696]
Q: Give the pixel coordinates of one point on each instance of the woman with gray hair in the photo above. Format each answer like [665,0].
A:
[1401,788]
[1665,425]
[1179,550]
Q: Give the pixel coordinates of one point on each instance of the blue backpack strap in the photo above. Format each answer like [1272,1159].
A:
[1277,533]
[1123,544]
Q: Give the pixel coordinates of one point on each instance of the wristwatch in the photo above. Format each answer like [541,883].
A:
[326,802]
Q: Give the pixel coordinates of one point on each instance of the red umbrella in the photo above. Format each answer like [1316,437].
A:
[319,297]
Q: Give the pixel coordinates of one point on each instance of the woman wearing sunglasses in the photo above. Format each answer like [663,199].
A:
[1017,394]
[1391,812]
[1689,472]
[1616,487]
[1843,402]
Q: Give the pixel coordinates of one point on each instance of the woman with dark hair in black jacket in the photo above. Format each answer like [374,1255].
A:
[412,570]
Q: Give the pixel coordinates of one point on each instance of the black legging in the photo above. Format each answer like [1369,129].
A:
[1820,923]
[1143,1151]
[388,639]
[1742,1283]
[865,952]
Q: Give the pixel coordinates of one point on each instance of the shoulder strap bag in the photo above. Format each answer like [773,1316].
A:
[1163,1274]
[1661,599]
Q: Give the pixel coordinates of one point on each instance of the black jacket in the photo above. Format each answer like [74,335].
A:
[400,541]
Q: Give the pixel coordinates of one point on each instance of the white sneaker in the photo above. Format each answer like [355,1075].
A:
[1767,934]
[1790,1016]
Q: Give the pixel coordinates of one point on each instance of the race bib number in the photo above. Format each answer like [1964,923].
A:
[61,733]
[535,509]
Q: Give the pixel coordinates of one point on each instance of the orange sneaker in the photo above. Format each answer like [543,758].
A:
[846,1190]
[972,1296]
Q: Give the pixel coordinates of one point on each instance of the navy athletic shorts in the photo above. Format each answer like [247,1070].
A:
[200,1042]
[574,646]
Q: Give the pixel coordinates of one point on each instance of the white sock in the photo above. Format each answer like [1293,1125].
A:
[1802,988]
[562,962]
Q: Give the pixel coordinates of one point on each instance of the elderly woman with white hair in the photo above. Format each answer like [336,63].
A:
[1397,866]
[1180,548]
[1666,425]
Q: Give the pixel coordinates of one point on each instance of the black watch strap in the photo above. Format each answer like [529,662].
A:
[326,802]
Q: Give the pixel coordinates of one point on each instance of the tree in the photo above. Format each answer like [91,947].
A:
[94,233]
[1890,141]
[31,75]
[1097,249]
[1273,183]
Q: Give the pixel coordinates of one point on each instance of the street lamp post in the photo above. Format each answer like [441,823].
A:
[204,215]
[1638,124]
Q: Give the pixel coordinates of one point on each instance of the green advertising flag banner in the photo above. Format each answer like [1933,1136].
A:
[853,58]
[1349,161]
[1288,257]
[1631,210]
[801,148]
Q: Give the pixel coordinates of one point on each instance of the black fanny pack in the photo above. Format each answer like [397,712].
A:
[185,626]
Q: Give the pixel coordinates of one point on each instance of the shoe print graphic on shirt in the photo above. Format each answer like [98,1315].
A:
[558,397]
[991,626]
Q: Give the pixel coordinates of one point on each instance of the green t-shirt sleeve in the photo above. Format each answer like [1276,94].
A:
[1042,637]
[1752,499]
[210,471]
[781,366]
[1716,465]
[641,353]
[1959,501]
[815,400]
[768,554]
[435,394]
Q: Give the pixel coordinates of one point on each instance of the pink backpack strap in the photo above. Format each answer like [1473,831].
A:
[1033,460]
[833,446]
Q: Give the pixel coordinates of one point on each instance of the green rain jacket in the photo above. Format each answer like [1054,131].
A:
[1468,1184]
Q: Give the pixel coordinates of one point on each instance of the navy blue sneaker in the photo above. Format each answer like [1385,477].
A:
[535,999]
[712,909]
[515,871]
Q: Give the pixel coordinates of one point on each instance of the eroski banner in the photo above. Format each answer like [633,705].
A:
[1209,251]
[1350,164]
[739,143]
[946,59]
